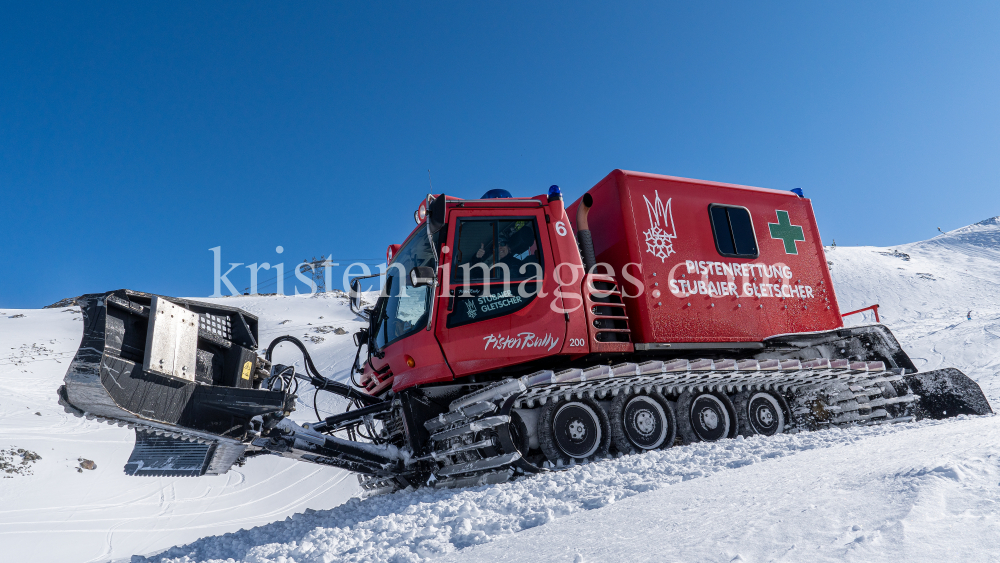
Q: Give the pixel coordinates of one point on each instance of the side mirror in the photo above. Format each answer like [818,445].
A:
[354,296]
[421,276]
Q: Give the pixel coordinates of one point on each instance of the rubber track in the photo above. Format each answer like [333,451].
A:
[851,388]
[824,393]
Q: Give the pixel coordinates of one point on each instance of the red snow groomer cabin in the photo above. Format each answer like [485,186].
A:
[675,268]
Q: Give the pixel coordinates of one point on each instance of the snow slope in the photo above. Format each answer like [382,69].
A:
[916,492]
[925,494]
[676,504]
[925,290]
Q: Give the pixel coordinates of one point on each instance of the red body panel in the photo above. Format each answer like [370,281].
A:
[672,308]
[429,364]
[566,252]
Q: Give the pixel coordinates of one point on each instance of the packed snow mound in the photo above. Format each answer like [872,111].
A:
[924,495]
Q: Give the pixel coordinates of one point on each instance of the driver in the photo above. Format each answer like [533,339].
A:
[514,250]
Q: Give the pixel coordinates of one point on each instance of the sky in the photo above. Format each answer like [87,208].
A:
[135,137]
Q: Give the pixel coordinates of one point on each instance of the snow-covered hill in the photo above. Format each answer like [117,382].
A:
[914,492]
[925,291]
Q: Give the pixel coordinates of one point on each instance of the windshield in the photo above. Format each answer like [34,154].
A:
[403,308]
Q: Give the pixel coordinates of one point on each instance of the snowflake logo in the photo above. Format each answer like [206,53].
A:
[470,306]
[661,234]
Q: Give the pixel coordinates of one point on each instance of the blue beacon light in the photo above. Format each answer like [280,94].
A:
[554,192]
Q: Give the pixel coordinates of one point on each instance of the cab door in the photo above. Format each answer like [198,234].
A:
[484,321]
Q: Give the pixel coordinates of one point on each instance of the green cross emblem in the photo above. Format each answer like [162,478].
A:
[787,232]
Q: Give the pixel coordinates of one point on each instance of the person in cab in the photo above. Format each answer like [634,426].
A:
[516,246]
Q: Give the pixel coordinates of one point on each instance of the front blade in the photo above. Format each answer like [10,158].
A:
[198,382]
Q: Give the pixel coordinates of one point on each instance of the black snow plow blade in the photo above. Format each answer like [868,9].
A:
[946,393]
[182,373]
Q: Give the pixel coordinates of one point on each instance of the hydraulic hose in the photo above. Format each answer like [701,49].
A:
[317,380]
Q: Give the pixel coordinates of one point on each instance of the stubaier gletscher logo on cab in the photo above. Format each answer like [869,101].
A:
[661,233]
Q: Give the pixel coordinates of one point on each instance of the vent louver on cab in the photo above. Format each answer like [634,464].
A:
[606,316]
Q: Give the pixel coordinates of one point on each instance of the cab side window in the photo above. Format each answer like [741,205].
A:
[475,247]
[488,247]
[733,229]
[496,270]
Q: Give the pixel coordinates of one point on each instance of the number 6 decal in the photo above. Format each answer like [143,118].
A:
[561,228]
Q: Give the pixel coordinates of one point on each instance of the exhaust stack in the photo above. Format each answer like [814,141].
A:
[583,233]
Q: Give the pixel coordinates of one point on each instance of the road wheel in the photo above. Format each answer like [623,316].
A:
[705,417]
[641,422]
[760,413]
[573,430]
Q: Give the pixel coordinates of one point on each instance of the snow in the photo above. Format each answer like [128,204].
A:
[427,523]
[924,491]
[879,498]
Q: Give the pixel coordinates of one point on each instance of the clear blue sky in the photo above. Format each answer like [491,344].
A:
[134,136]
